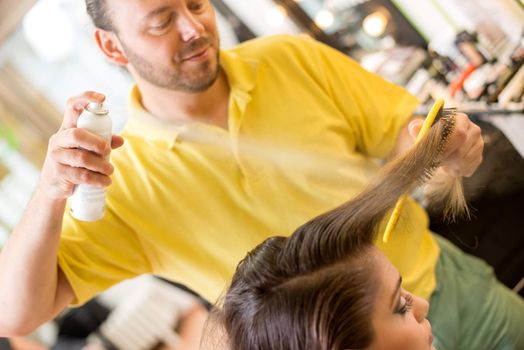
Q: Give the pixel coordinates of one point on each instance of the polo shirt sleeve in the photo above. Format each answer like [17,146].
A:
[375,109]
[96,255]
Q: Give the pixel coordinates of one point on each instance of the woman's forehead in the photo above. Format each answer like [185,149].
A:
[387,277]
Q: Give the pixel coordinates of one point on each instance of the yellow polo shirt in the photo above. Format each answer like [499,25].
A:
[189,201]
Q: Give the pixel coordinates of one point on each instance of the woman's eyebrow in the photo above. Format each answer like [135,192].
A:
[396,293]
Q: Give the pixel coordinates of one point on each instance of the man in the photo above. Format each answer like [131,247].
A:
[223,149]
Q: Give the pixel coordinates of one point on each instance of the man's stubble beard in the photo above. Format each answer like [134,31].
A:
[170,78]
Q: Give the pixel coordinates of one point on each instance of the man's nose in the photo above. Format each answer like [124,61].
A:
[189,27]
[420,308]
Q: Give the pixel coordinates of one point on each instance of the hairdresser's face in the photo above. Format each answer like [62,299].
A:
[172,44]
[399,318]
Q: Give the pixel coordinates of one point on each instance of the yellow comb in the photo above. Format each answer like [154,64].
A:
[428,122]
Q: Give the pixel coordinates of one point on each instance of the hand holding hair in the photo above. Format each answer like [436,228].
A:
[463,151]
[461,156]
[449,191]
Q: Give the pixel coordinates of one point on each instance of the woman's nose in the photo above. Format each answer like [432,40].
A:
[420,308]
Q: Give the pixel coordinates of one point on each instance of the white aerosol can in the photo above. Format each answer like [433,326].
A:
[88,202]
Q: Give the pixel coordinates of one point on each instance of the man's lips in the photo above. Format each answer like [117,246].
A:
[197,56]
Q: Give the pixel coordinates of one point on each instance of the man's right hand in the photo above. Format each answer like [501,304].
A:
[33,289]
[76,156]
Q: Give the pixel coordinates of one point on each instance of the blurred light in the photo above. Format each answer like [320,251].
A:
[276,16]
[49,31]
[324,19]
[4,234]
[375,24]
[342,5]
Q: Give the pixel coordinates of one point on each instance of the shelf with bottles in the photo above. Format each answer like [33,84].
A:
[469,76]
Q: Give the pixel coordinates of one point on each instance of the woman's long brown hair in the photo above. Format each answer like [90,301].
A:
[313,290]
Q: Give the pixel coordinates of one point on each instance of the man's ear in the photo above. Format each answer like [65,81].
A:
[110,45]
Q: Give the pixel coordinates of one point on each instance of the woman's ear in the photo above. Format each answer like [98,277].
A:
[110,45]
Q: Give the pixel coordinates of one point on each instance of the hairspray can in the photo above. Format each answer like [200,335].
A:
[88,202]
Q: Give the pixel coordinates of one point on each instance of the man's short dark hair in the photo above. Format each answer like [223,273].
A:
[97,10]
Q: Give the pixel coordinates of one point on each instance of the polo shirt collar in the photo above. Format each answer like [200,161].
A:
[241,74]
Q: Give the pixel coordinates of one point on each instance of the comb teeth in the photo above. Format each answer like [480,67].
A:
[446,113]
[447,129]
[446,116]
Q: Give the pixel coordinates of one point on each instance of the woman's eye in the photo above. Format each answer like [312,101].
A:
[405,304]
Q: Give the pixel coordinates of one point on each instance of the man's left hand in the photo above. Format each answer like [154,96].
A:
[463,151]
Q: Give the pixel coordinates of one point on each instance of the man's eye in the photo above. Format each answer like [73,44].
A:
[196,6]
[162,25]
